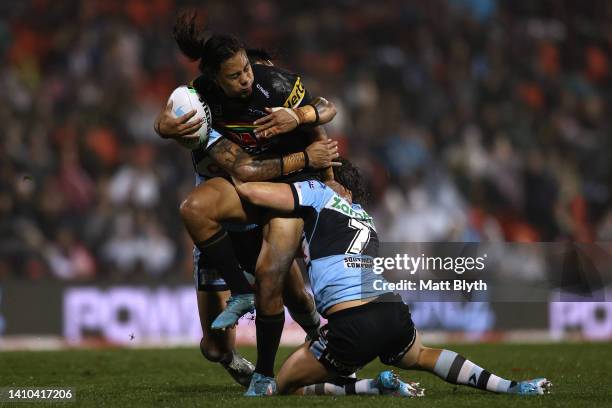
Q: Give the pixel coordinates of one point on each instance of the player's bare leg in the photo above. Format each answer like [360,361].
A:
[218,346]
[209,203]
[300,302]
[281,239]
[215,345]
[303,374]
[202,211]
[456,369]
[300,369]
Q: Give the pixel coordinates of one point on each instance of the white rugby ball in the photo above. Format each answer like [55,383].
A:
[185,99]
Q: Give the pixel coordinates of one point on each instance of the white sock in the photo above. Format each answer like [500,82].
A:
[359,387]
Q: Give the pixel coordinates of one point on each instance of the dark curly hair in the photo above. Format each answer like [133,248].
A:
[348,175]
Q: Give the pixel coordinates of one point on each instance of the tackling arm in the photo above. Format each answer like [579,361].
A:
[245,167]
[277,196]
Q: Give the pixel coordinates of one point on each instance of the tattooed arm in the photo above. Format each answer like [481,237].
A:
[245,167]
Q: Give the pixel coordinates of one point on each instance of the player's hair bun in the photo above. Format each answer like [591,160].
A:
[193,42]
[188,36]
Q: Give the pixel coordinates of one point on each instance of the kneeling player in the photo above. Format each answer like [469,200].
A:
[362,323]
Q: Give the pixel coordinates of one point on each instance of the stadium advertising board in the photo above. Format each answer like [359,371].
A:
[167,314]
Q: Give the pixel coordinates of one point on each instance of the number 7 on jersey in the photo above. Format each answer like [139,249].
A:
[361,238]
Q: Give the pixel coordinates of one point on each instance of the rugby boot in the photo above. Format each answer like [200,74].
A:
[388,383]
[261,386]
[236,307]
[240,369]
[538,386]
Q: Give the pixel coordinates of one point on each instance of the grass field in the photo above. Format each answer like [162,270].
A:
[180,378]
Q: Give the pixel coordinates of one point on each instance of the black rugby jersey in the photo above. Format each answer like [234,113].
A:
[234,117]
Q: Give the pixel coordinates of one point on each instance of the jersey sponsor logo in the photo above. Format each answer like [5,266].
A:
[342,206]
[358,262]
[296,95]
[263,91]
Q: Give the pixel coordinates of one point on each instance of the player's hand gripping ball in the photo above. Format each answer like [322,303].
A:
[191,119]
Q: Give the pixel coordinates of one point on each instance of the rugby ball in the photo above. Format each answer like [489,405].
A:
[185,99]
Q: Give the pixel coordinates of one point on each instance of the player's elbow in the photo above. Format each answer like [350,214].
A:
[327,112]
[332,111]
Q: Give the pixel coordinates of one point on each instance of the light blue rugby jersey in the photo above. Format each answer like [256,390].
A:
[340,242]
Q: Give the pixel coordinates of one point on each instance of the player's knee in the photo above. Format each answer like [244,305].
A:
[268,284]
[286,385]
[269,276]
[198,206]
[286,389]
[268,299]
[274,269]
[210,351]
[413,359]
[297,300]
[191,207]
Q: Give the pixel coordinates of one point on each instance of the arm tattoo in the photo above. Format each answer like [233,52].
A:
[224,153]
[233,159]
[294,162]
[258,168]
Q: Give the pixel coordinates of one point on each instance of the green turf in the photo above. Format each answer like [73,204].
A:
[180,377]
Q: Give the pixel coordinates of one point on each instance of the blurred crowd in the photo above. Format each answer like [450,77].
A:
[471,120]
